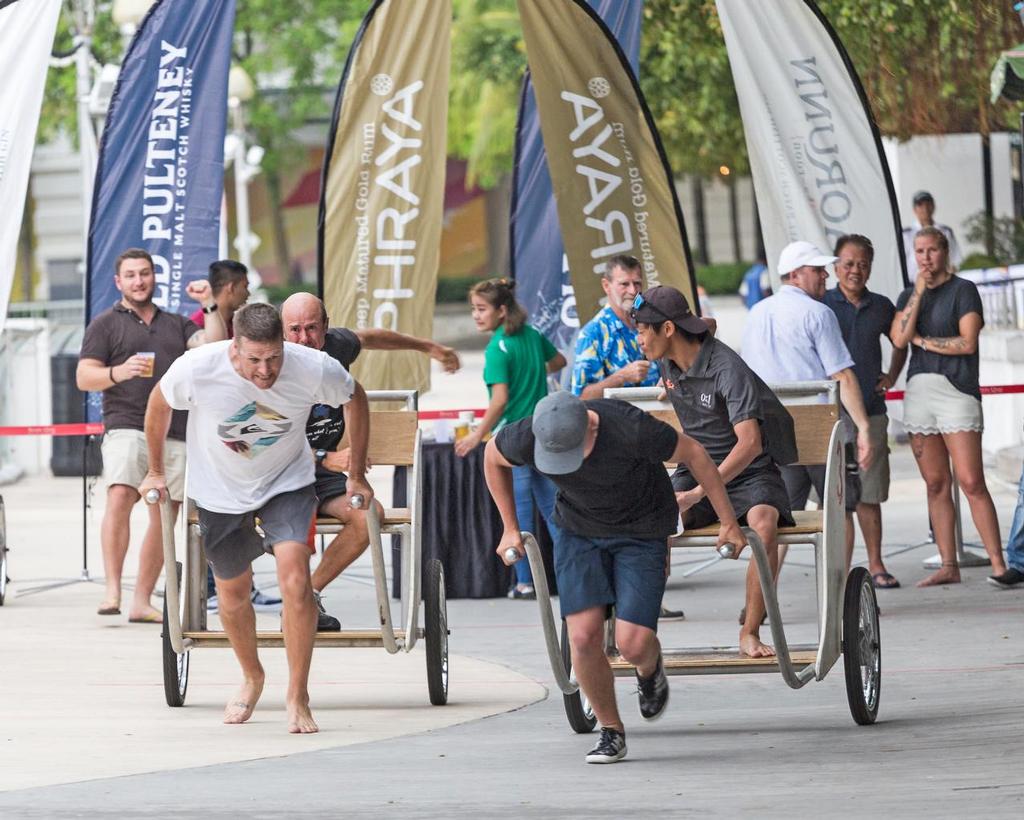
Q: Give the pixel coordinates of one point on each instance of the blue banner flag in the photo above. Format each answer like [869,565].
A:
[539,263]
[160,176]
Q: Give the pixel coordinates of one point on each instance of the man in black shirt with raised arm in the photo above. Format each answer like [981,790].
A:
[305,323]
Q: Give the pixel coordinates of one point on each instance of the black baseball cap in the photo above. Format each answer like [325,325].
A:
[923,196]
[664,303]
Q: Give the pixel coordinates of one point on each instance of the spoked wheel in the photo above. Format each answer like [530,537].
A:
[862,647]
[3,552]
[435,616]
[577,707]
[175,665]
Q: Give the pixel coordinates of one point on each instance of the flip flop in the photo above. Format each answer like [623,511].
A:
[884,580]
[109,609]
[148,618]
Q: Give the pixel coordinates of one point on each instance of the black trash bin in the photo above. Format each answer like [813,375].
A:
[66,401]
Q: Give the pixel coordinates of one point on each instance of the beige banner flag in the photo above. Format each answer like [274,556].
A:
[382,201]
[611,180]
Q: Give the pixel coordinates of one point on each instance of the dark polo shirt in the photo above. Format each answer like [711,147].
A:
[862,327]
[717,393]
[115,336]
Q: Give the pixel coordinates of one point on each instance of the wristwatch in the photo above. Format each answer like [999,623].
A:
[208,309]
[320,455]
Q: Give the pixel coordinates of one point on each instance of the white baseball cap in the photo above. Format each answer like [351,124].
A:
[797,254]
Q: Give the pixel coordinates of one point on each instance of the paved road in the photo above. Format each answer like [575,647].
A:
[947,743]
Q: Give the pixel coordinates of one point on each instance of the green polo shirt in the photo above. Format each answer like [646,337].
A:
[520,361]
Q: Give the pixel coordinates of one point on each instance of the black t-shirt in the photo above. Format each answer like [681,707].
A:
[115,336]
[622,488]
[326,425]
[942,308]
[717,393]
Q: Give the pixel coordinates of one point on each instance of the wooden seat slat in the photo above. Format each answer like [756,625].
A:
[348,637]
[808,522]
[717,660]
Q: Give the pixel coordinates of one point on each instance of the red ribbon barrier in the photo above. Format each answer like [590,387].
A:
[89,429]
[96,428]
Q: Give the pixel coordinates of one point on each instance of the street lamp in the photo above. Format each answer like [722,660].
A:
[247,161]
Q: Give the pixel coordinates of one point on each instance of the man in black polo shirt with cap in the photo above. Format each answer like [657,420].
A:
[615,509]
[734,415]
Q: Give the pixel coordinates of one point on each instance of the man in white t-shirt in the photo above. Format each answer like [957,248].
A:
[251,476]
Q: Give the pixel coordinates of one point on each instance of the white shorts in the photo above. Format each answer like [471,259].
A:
[932,406]
[126,461]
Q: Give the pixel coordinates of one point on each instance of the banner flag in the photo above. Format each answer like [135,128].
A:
[160,174]
[612,182]
[26,37]
[382,188]
[816,156]
[539,265]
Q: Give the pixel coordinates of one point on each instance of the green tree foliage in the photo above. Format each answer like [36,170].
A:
[925,66]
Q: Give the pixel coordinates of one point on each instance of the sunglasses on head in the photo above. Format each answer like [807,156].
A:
[639,302]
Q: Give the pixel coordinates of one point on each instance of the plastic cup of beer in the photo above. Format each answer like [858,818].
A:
[150,364]
[461,430]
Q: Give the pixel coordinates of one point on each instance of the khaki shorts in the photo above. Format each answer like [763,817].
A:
[126,461]
[874,483]
[933,406]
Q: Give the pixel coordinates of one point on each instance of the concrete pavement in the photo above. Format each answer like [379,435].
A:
[947,744]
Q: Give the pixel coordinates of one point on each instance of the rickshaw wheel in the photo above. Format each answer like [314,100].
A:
[577,708]
[862,647]
[175,665]
[435,617]
[3,552]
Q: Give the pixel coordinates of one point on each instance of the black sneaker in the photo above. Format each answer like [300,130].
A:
[1009,579]
[611,747]
[324,622]
[667,614]
[652,693]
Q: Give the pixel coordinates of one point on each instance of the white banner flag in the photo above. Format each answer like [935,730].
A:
[26,37]
[815,155]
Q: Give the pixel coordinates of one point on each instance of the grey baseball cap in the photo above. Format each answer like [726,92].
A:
[559,428]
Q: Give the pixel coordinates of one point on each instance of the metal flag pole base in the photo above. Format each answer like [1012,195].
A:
[84,578]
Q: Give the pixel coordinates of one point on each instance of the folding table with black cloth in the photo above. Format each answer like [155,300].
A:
[461,525]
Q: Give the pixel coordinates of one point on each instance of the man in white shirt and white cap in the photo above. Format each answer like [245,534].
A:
[924,217]
[792,336]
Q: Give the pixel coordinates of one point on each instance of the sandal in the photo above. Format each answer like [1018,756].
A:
[884,580]
[107,608]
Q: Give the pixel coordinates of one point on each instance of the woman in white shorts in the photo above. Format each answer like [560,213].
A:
[941,317]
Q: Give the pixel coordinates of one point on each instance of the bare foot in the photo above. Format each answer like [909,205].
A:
[242,705]
[147,615]
[751,646]
[943,575]
[300,719]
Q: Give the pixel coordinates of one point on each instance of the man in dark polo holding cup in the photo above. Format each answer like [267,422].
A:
[126,350]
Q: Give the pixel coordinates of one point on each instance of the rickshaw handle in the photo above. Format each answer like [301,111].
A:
[547,617]
[172,591]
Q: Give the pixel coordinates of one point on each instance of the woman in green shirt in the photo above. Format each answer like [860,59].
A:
[517,362]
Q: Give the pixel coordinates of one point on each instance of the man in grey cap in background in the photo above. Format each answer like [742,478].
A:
[924,213]
[615,510]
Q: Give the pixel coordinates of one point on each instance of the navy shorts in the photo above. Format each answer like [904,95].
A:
[628,573]
[329,484]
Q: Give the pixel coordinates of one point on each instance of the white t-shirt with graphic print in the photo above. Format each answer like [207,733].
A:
[245,444]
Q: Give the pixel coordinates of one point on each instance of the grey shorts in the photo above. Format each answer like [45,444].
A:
[874,482]
[747,490]
[232,541]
